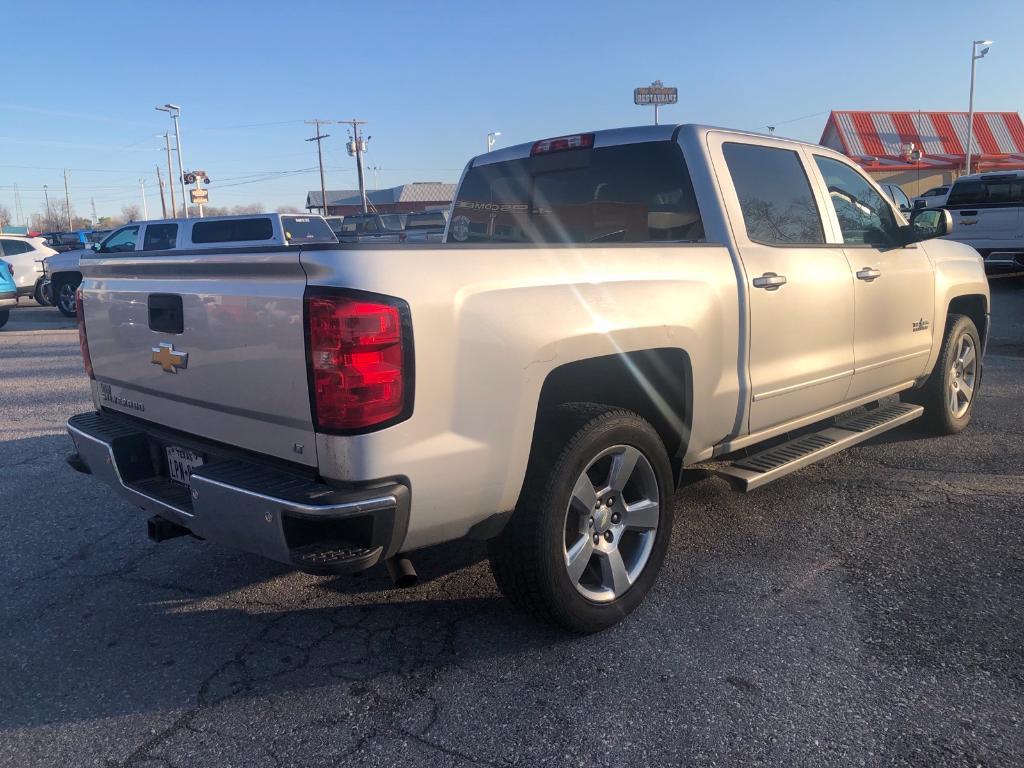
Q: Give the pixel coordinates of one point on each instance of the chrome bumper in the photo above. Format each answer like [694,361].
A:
[242,501]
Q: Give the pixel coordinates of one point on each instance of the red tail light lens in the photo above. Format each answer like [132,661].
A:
[357,362]
[83,339]
[563,143]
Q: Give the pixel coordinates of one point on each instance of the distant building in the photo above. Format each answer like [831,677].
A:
[407,198]
[882,144]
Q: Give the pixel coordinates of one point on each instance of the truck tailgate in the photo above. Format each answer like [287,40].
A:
[232,369]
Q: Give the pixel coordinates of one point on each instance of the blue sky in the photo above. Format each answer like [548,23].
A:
[433,78]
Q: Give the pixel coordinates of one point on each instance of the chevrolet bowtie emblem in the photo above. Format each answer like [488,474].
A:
[165,356]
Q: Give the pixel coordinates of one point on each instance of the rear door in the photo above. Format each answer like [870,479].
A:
[210,343]
[988,210]
[894,291]
[800,287]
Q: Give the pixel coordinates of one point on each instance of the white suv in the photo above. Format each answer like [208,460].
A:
[26,254]
[988,211]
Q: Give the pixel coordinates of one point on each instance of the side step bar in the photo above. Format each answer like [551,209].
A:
[764,467]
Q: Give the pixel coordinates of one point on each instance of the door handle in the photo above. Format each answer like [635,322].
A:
[770,281]
[868,274]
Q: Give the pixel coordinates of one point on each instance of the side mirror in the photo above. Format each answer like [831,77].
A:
[95,247]
[928,223]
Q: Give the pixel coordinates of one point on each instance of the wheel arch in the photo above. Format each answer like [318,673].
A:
[656,384]
[975,306]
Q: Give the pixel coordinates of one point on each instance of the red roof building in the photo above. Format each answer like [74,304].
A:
[883,142]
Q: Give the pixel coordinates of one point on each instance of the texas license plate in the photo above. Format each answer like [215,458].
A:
[181,462]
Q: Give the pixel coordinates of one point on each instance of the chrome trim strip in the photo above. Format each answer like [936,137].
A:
[801,385]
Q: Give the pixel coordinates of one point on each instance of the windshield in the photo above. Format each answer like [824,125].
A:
[629,193]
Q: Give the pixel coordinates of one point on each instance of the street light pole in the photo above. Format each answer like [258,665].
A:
[175,111]
[975,55]
[67,200]
[491,138]
[46,194]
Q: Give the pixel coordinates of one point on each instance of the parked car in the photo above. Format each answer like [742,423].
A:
[63,272]
[898,196]
[626,303]
[932,198]
[373,228]
[8,292]
[26,254]
[426,227]
[334,222]
[988,210]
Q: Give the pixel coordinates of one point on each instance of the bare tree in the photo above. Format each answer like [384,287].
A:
[130,213]
[5,216]
[289,209]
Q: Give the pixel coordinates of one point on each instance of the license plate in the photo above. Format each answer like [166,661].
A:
[181,462]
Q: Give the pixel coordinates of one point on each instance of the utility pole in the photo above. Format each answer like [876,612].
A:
[18,210]
[46,194]
[320,157]
[356,148]
[175,112]
[95,220]
[145,208]
[67,199]
[160,183]
[170,175]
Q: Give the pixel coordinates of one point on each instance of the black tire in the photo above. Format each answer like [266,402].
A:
[5,315]
[40,295]
[528,558]
[936,395]
[63,293]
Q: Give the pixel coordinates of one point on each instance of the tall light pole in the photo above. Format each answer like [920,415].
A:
[145,208]
[46,194]
[975,55]
[67,200]
[491,137]
[175,111]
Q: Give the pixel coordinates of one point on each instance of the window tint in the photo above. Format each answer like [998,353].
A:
[429,220]
[351,224]
[393,222]
[121,241]
[307,229]
[160,237]
[14,247]
[865,216]
[631,193]
[775,195]
[988,190]
[232,230]
[899,196]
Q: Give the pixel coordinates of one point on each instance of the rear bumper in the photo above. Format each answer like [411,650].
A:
[8,299]
[244,502]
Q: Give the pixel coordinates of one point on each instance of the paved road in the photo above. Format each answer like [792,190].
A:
[865,611]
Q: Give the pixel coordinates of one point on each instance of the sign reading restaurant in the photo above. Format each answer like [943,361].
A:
[656,93]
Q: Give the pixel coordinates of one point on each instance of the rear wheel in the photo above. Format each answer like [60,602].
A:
[40,295]
[949,393]
[589,534]
[64,295]
[5,315]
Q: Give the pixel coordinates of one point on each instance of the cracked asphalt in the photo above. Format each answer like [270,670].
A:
[865,611]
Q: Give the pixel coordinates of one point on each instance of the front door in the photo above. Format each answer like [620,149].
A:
[800,288]
[894,291]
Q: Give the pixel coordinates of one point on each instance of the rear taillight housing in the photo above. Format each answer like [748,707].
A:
[563,144]
[359,352]
[83,339]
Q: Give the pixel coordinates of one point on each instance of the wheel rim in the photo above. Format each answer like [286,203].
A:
[963,376]
[67,298]
[611,522]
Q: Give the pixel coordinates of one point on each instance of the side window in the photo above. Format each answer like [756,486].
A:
[15,247]
[232,230]
[121,241]
[865,216]
[160,237]
[900,197]
[371,226]
[775,195]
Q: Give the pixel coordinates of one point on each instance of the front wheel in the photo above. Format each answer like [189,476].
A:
[40,295]
[64,296]
[590,532]
[949,393]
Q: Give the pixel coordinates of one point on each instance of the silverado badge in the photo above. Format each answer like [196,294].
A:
[920,325]
[167,358]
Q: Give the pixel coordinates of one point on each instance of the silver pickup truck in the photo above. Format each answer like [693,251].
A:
[608,308]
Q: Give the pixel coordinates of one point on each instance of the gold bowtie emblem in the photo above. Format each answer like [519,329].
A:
[165,356]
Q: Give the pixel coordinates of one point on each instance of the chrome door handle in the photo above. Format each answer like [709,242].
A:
[868,274]
[770,281]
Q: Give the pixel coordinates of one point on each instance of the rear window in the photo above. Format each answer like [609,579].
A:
[232,230]
[393,222]
[989,190]
[307,229]
[160,237]
[434,220]
[632,193]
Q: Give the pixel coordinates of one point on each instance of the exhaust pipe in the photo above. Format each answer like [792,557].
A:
[162,529]
[401,571]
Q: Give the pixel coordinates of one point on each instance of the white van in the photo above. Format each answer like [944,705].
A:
[988,213]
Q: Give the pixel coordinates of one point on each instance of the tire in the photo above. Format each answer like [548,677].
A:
[64,294]
[553,524]
[40,295]
[5,315]
[954,380]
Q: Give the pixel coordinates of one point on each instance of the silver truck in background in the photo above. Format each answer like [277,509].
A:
[608,309]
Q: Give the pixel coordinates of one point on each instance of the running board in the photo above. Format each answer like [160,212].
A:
[764,467]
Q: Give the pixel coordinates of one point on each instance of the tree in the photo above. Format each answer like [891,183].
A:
[289,209]
[5,216]
[130,213]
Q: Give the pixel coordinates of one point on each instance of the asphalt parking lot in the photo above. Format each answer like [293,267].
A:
[868,610]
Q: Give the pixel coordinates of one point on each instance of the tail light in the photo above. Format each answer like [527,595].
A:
[10,268]
[83,339]
[563,143]
[359,363]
